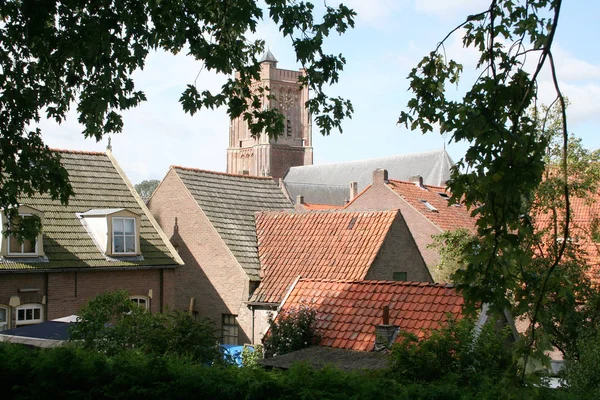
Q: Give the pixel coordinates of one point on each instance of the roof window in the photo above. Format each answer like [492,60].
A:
[444,195]
[429,205]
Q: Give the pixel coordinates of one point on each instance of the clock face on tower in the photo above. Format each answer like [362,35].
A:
[288,103]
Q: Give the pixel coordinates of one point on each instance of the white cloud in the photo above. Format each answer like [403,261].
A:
[375,12]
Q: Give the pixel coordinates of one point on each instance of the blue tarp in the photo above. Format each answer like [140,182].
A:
[46,330]
[233,352]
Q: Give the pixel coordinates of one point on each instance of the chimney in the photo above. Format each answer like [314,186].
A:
[380,176]
[418,181]
[385,334]
[299,199]
[353,190]
[245,172]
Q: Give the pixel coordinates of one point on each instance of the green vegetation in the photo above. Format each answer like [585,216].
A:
[60,53]
[111,324]
[146,188]
[290,331]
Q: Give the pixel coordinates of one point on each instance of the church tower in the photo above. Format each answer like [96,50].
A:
[262,156]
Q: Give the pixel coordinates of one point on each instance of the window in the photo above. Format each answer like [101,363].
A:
[25,248]
[30,314]
[429,205]
[3,318]
[141,301]
[230,329]
[400,276]
[123,235]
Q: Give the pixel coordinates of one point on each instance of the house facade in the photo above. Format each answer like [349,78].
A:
[104,239]
[209,218]
[425,209]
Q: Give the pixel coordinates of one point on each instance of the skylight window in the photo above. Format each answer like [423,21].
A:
[444,195]
[429,205]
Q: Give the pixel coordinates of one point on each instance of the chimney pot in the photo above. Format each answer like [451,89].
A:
[386,315]
[380,176]
[353,190]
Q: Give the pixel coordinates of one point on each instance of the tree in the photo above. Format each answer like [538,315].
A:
[452,247]
[146,188]
[57,53]
[503,167]
[111,323]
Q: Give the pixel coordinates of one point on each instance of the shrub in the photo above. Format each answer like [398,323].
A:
[110,323]
[292,330]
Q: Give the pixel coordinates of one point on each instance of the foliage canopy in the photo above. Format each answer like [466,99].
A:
[499,176]
[59,52]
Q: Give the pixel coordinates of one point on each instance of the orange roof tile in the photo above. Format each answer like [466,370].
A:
[583,214]
[317,207]
[339,324]
[318,244]
[444,216]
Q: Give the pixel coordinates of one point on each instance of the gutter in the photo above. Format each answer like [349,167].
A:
[85,269]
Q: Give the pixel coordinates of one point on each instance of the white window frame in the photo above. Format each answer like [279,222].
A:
[22,253]
[5,325]
[124,235]
[25,307]
[136,300]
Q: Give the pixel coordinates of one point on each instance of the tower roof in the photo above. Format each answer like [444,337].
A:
[268,57]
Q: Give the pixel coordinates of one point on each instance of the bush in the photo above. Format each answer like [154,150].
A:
[581,365]
[290,331]
[76,373]
[110,323]
[454,354]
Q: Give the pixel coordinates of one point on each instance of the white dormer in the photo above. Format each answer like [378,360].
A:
[11,247]
[116,231]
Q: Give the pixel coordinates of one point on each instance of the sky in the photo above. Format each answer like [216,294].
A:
[389,39]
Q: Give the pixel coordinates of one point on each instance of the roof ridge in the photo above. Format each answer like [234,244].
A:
[378,282]
[331,211]
[412,183]
[86,152]
[220,173]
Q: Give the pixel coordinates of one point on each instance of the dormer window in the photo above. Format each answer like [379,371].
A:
[115,231]
[26,247]
[12,246]
[124,238]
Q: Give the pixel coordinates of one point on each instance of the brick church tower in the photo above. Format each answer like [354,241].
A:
[269,157]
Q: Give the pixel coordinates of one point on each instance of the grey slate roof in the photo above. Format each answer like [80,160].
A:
[330,183]
[98,184]
[268,57]
[230,201]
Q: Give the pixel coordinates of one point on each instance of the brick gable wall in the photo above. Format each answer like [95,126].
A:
[380,197]
[399,253]
[211,273]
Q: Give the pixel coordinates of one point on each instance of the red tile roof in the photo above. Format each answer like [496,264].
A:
[317,207]
[583,214]
[348,311]
[444,216]
[318,244]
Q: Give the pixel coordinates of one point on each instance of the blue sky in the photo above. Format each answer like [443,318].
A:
[390,37]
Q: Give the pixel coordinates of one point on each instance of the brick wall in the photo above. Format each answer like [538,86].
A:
[211,274]
[399,253]
[66,292]
[380,197]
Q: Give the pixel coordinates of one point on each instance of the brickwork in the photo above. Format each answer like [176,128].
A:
[399,253]
[211,274]
[380,197]
[65,293]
